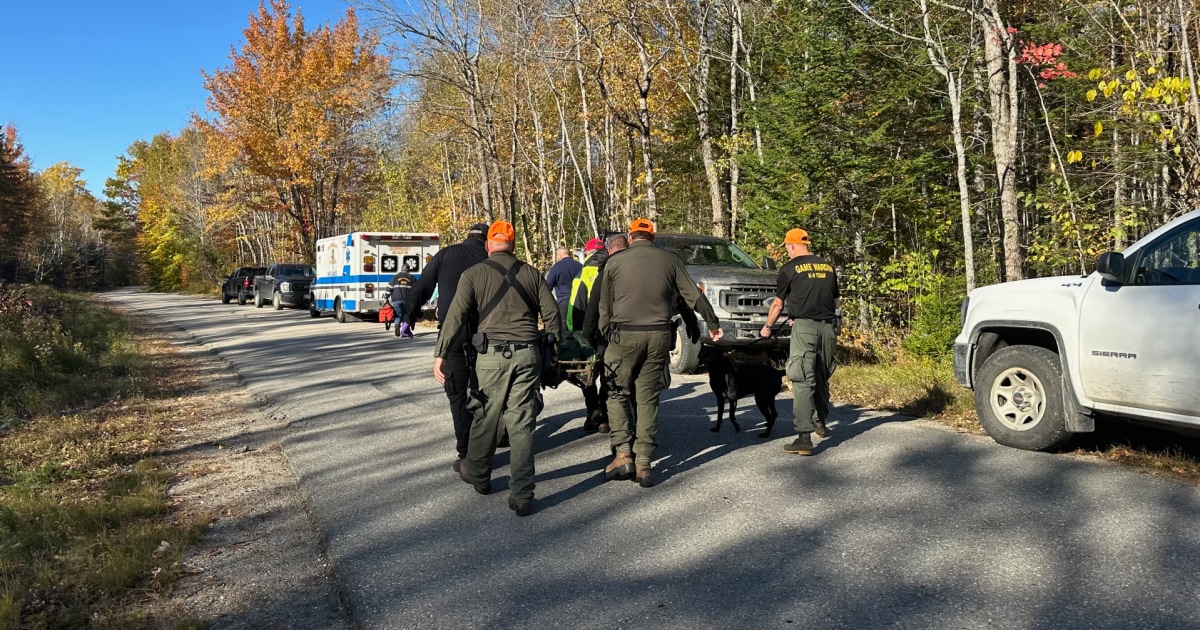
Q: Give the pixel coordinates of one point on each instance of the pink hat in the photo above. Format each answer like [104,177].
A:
[593,245]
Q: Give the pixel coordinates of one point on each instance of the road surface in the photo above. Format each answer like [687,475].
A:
[893,523]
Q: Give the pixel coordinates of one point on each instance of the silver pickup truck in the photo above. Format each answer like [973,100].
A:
[740,291]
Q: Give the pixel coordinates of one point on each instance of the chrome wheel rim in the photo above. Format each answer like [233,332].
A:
[1018,399]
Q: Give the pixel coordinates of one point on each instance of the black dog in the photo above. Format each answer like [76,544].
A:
[731,380]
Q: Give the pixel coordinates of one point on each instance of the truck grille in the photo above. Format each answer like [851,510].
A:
[746,299]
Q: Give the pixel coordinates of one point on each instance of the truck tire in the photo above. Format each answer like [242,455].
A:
[241,298]
[1019,398]
[277,301]
[258,301]
[313,311]
[685,358]
[224,297]
[338,313]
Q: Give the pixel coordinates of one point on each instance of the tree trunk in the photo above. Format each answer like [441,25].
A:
[1003,108]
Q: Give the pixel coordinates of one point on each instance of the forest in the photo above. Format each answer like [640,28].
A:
[929,146]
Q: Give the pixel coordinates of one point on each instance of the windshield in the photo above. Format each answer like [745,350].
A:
[698,250]
[296,270]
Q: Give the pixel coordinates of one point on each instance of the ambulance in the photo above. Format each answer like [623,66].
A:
[353,269]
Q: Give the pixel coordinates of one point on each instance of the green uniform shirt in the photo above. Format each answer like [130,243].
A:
[640,284]
[511,320]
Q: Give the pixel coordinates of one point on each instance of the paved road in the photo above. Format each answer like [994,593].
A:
[894,523]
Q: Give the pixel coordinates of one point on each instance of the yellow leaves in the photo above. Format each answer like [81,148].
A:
[1151,70]
[1095,74]
[1074,156]
[1130,75]
[1091,95]
[1099,128]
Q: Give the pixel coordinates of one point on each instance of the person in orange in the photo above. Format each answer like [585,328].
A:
[638,293]
[807,286]
[506,298]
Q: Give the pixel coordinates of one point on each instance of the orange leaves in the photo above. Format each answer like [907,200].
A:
[288,104]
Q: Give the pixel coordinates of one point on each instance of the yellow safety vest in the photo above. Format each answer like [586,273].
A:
[581,286]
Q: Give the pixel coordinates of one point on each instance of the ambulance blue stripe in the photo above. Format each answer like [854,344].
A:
[381,278]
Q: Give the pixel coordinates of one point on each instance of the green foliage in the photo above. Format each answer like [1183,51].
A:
[935,325]
[58,350]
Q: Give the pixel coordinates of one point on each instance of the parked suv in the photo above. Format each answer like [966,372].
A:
[740,291]
[240,284]
[1046,356]
[284,284]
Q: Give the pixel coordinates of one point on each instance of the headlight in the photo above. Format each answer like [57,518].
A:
[285,286]
[962,314]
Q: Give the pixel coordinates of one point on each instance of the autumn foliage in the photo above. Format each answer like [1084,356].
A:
[288,113]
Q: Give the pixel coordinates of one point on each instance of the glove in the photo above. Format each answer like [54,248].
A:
[692,328]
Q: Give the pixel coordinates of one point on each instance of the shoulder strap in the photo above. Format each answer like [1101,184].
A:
[510,282]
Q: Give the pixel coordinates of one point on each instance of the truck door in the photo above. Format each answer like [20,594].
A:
[1140,340]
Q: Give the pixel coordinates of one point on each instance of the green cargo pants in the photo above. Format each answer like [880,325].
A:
[809,366]
[508,390]
[637,363]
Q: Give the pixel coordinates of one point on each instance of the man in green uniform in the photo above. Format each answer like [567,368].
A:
[637,296]
[504,297]
[807,286]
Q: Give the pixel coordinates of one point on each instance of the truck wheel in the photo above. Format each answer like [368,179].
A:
[258,301]
[1019,398]
[241,298]
[277,301]
[685,358]
[338,313]
[313,311]
[224,297]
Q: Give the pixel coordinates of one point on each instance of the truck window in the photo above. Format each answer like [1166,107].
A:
[1173,260]
[294,270]
[706,251]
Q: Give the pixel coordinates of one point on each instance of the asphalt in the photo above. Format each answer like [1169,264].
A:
[893,523]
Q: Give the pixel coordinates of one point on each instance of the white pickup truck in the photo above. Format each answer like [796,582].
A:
[1045,356]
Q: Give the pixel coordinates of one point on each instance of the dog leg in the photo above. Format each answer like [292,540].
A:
[732,410]
[720,411]
[766,404]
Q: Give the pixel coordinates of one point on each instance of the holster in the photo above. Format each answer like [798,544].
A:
[479,342]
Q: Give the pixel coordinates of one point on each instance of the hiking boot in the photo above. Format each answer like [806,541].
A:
[801,446]
[621,467]
[644,477]
[522,508]
[481,488]
[592,424]
[819,428]
[404,330]
[457,465]
[603,427]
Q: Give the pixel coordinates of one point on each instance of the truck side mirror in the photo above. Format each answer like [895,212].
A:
[1111,266]
[768,263]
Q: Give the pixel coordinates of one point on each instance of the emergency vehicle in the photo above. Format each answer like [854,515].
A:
[353,269]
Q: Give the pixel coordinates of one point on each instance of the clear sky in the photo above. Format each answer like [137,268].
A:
[84,79]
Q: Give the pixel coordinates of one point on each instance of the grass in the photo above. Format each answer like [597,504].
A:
[927,389]
[921,388]
[85,520]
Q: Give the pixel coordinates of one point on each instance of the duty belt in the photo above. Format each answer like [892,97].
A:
[819,321]
[506,348]
[668,327]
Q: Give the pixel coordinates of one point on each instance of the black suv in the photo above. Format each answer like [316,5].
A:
[284,284]
[240,284]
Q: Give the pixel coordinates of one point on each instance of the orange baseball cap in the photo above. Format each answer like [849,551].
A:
[796,236]
[501,232]
[641,225]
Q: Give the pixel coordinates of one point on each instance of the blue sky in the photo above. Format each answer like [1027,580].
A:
[84,79]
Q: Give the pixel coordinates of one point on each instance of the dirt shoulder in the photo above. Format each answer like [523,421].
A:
[261,562]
